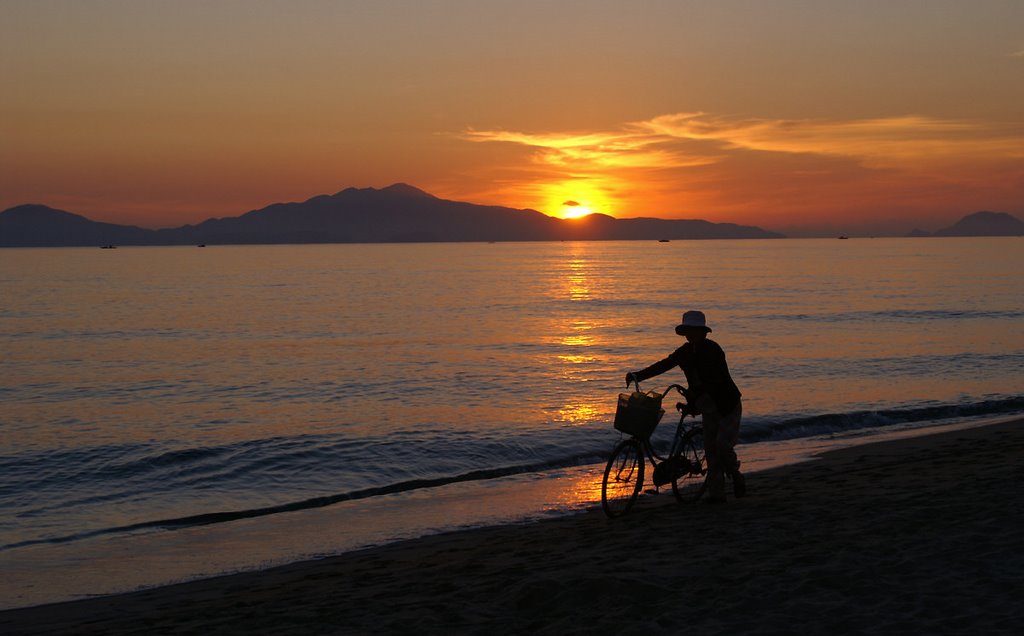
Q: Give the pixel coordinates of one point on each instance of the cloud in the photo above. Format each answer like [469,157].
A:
[629,147]
[694,160]
[692,139]
[1017,54]
[571,204]
[671,141]
[883,141]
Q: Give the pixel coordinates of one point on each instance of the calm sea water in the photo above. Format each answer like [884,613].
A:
[152,393]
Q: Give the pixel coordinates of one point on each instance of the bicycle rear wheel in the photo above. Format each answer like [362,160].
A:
[690,484]
[623,478]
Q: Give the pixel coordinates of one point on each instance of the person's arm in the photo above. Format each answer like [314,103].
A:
[657,368]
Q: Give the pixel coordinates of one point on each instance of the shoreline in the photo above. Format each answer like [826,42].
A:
[117,564]
[919,534]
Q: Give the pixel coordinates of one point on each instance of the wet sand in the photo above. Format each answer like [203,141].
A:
[915,536]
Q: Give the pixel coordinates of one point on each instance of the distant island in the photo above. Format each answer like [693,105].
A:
[980,224]
[401,213]
[396,214]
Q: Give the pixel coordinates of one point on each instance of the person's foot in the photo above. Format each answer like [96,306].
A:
[739,484]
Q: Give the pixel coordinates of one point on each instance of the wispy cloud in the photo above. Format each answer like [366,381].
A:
[683,140]
[687,161]
[1017,54]
[631,147]
[873,141]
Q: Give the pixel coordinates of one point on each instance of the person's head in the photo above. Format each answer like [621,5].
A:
[694,326]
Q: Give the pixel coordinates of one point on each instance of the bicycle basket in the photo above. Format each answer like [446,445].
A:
[638,413]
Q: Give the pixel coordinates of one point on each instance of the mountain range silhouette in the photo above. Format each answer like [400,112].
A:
[980,224]
[399,213]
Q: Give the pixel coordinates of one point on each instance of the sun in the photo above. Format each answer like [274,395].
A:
[575,199]
[574,210]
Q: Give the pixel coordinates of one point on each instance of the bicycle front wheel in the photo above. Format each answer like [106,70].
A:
[691,481]
[623,478]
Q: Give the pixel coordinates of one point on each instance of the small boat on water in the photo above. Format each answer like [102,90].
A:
[663,240]
[108,247]
[843,238]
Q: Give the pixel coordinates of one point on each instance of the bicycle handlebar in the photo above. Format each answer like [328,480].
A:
[682,391]
[682,407]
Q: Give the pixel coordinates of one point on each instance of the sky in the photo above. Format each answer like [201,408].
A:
[809,118]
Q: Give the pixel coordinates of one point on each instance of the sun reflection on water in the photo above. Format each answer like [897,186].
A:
[580,337]
[578,414]
[576,359]
[577,280]
[578,490]
[577,340]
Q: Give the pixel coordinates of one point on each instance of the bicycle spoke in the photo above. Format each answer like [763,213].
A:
[623,478]
[690,483]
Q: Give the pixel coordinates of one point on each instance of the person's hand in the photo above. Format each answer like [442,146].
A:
[686,408]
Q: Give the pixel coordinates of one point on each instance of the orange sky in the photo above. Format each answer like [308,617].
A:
[806,118]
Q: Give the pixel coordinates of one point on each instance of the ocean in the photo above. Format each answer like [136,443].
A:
[175,412]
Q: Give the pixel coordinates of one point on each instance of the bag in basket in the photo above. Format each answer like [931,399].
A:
[638,413]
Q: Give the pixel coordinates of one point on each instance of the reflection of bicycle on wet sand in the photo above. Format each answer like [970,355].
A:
[685,466]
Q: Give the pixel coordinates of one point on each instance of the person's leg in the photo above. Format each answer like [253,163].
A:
[712,450]
[728,435]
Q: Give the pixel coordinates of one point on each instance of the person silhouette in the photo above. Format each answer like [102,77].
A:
[712,393]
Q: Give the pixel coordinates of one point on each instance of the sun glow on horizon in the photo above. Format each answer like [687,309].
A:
[575,199]
[819,154]
[574,210]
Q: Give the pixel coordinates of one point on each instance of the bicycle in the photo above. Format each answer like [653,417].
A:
[685,465]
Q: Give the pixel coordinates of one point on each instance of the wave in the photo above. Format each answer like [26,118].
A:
[762,429]
[315,502]
[903,315]
[125,473]
[909,366]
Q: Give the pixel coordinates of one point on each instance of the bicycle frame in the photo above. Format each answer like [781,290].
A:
[625,469]
[681,428]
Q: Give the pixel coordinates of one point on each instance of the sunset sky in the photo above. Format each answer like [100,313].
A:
[802,117]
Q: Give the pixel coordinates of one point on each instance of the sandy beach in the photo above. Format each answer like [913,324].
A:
[914,536]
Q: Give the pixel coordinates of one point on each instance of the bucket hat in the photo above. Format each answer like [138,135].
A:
[693,320]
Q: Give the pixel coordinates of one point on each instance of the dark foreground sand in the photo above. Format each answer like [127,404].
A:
[917,536]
